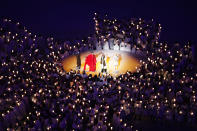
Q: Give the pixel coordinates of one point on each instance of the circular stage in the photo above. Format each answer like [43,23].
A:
[126,62]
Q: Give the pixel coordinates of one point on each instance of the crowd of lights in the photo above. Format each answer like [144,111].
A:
[164,83]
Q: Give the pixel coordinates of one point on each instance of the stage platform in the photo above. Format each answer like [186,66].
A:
[126,62]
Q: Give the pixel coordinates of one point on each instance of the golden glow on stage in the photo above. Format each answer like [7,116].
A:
[125,62]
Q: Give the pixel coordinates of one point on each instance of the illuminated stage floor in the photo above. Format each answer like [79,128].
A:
[125,63]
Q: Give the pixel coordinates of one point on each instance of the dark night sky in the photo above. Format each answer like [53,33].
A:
[73,20]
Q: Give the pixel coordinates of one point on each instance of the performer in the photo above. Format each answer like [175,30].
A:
[111,43]
[103,64]
[116,45]
[91,62]
[78,61]
[106,45]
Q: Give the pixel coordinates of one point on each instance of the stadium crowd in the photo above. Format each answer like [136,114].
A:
[37,94]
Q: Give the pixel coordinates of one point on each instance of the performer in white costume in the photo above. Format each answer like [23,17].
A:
[122,46]
[106,45]
[98,45]
[128,47]
[116,47]
[111,43]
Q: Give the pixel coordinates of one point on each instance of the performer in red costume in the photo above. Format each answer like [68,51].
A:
[91,62]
